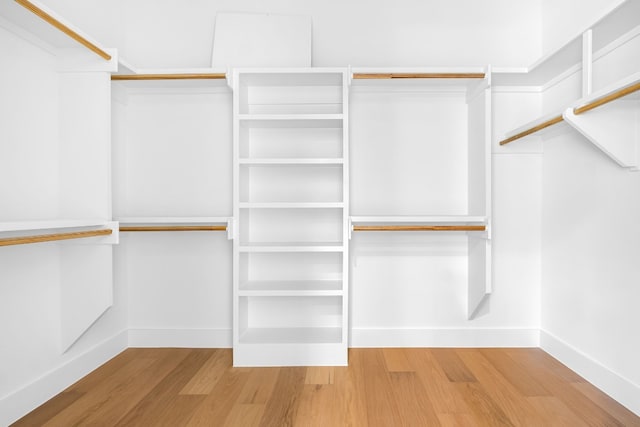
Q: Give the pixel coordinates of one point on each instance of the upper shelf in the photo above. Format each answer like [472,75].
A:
[132,77]
[462,78]
[419,223]
[51,29]
[276,77]
[626,88]
[50,224]
[162,224]
[18,233]
[605,31]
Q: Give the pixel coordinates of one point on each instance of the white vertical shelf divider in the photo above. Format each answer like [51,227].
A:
[290,256]
[479,195]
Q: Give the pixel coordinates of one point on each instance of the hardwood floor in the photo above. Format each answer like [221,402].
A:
[381,387]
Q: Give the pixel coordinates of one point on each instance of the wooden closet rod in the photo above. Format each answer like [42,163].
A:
[187,76]
[60,26]
[606,99]
[418,75]
[534,129]
[53,237]
[419,228]
[174,228]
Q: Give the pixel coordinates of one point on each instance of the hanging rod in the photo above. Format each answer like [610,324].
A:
[184,76]
[606,99]
[60,26]
[53,237]
[419,228]
[534,129]
[418,76]
[174,228]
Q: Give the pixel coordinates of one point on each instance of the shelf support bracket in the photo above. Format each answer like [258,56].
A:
[612,130]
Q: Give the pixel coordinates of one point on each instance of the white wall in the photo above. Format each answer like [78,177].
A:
[174,33]
[590,258]
[562,20]
[590,252]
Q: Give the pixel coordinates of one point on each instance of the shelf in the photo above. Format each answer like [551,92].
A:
[418,223]
[292,247]
[534,126]
[291,120]
[18,233]
[291,288]
[164,224]
[172,78]
[292,162]
[206,220]
[626,88]
[418,220]
[51,224]
[291,205]
[611,126]
[291,335]
[292,77]
[50,28]
[617,148]
[462,77]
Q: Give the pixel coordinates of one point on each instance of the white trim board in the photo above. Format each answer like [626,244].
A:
[619,388]
[22,401]
[443,337]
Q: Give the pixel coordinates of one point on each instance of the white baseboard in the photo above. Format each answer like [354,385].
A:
[186,338]
[616,386]
[21,402]
[477,337]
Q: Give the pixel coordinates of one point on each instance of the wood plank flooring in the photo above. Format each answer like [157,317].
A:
[380,387]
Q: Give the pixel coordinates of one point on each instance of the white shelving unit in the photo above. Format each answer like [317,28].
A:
[452,198]
[291,206]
